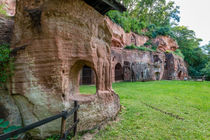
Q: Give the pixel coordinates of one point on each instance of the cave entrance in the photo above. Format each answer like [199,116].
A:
[133,39]
[157,76]
[118,72]
[179,75]
[87,76]
[83,78]
[127,71]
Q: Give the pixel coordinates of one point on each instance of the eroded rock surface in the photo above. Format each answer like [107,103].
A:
[121,39]
[6,30]
[175,67]
[165,43]
[135,65]
[8,108]
[52,41]
[138,65]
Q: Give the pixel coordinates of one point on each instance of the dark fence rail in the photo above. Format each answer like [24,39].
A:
[198,78]
[64,115]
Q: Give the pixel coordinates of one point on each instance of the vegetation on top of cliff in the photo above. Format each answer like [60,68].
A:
[177,52]
[157,17]
[141,48]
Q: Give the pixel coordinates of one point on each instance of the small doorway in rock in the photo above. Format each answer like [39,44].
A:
[179,75]
[118,72]
[133,39]
[87,76]
[157,76]
[87,80]
[142,76]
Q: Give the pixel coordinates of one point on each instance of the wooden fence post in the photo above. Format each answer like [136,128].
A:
[75,117]
[63,128]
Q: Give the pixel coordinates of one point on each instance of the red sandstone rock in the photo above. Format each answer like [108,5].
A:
[120,39]
[138,65]
[165,43]
[175,68]
[52,41]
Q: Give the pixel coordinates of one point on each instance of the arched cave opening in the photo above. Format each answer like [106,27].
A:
[180,74]
[127,75]
[157,75]
[87,76]
[83,78]
[133,39]
[118,72]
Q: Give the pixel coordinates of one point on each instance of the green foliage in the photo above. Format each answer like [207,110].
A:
[149,44]
[2,11]
[140,48]
[195,57]
[4,124]
[206,71]
[179,53]
[157,12]
[6,128]
[126,22]
[131,47]
[5,65]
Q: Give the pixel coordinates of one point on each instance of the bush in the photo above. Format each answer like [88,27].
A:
[5,128]
[141,48]
[131,47]
[206,71]
[5,65]
[126,22]
[179,53]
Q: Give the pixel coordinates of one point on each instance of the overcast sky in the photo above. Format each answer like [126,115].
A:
[195,14]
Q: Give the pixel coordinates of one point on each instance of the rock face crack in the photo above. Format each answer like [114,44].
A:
[164,112]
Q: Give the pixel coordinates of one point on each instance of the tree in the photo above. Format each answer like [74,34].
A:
[189,46]
[157,12]
[206,71]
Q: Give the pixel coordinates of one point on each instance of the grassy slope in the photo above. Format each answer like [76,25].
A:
[188,100]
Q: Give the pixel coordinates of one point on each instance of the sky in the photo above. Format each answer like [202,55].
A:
[195,14]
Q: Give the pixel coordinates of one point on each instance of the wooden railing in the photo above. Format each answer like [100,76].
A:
[198,78]
[64,115]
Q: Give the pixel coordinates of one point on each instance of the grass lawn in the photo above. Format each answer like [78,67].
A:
[160,110]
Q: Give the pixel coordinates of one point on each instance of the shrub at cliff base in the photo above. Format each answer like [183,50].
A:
[5,65]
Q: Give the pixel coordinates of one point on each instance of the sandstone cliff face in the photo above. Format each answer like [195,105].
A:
[8,108]
[9,6]
[120,39]
[165,43]
[137,65]
[134,65]
[52,41]
[175,68]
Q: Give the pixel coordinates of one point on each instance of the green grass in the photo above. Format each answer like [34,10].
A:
[138,120]
[88,89]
